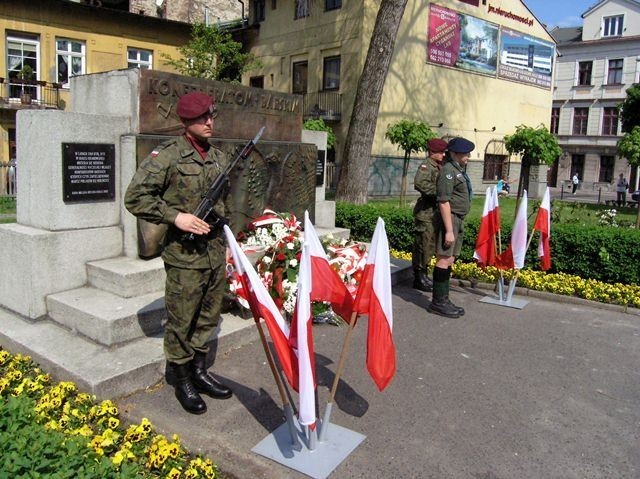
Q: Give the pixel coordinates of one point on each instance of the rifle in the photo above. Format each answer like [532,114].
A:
[205,208]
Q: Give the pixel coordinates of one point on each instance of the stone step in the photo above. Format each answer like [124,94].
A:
[127,277]
[336,232]
[107,318]
[107,372]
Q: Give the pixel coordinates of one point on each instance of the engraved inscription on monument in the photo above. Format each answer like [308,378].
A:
[88,172]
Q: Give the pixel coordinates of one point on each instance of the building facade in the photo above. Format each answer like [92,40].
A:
[596,64]
[49,41]
[465,67]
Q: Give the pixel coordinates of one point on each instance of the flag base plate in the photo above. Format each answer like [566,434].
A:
[317,463]
[510,303]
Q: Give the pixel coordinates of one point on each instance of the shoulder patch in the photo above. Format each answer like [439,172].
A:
[423,166]
[449,176]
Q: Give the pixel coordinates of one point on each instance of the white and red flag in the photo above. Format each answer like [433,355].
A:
[513,257]
[543,225]
[374,299]
[485,251]
[327,284]
[301,341]
[262,306]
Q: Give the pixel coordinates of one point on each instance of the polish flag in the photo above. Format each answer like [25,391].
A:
[327,284]
[374,299]
[543,225]
[485,251]
[301,342]
[513,257]
[262,306]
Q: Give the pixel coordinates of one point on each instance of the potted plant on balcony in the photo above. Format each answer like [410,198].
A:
[25,75]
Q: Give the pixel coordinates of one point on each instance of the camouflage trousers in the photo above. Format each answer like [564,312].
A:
[424,243]
[193,299]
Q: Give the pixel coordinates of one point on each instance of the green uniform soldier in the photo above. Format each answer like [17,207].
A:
[424,245]
[454,199]
[167,187]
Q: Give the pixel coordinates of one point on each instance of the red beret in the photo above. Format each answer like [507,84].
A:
[193,105]
[436,145]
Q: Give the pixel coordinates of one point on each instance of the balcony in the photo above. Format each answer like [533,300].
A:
[326,105]
[17,94]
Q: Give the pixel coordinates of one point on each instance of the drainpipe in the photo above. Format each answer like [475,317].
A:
[242,17]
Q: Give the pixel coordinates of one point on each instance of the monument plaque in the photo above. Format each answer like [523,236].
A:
[88,172]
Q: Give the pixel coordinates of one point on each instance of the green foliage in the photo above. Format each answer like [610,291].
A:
[8,206]
[609,254]
[213,54]
[26,73]
[30,451]
[536,145]
[411,136]
[320,125]
[630,108]
[629,146]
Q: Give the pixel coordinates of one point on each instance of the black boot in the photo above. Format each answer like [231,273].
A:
[459,308]
[186,392]
[421,281]
[439,302]
[205,383]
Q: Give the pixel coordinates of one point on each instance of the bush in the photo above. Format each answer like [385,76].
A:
[608,254]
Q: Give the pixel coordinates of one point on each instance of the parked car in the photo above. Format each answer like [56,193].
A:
[635,196]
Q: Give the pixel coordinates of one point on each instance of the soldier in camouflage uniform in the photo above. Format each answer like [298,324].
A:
[424,246]
[454,199]
[167,187]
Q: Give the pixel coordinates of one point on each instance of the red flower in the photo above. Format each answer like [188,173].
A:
[281,257]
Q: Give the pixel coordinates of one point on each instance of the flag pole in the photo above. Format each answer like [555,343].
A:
[286,405]
[345,347]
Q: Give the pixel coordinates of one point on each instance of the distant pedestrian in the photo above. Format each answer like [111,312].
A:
[622,185]
[575,182]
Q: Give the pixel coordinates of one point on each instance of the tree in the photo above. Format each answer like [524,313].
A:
[354,176]
[213,54]
[630,108]
[536,145]
[320,125]
[629,148]
[412,137]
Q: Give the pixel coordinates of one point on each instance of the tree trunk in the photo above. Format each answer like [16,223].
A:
[354,177]
[403,183]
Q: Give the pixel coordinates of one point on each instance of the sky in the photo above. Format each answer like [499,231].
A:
[559,13]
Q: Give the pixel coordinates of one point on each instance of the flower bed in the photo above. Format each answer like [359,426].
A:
[558,283]
[54,430]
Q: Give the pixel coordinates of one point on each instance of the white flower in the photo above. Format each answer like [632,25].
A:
[266,259]
[293,263]
[290,245]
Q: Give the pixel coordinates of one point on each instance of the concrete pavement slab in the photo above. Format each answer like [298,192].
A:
[549,391]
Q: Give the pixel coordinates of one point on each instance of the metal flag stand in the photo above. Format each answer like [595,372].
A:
[506,300]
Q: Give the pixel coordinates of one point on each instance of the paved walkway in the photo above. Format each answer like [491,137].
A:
[549,391]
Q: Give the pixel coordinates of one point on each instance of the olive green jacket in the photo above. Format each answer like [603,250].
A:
[425,182]
[454,186]
[172,180]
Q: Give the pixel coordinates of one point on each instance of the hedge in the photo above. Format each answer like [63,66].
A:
[605,253]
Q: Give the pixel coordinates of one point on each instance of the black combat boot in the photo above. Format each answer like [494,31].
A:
[459,308]
[186,392]
[439,302]
[421,281]
[205,383]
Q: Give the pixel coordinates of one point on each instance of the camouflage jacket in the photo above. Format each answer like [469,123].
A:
[425,182]
[171,180]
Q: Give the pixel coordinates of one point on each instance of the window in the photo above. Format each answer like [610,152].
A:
[70,58]
[331,73]
[299,83]
[142,59]
[577,166]
[21,52]
[580,117]
[495,167]
[302,9]
[259,10]
[610,121]
[332,4]
[256,82]
[584,73]
[614,75]
[612,26]
[555,120]
[606,168]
